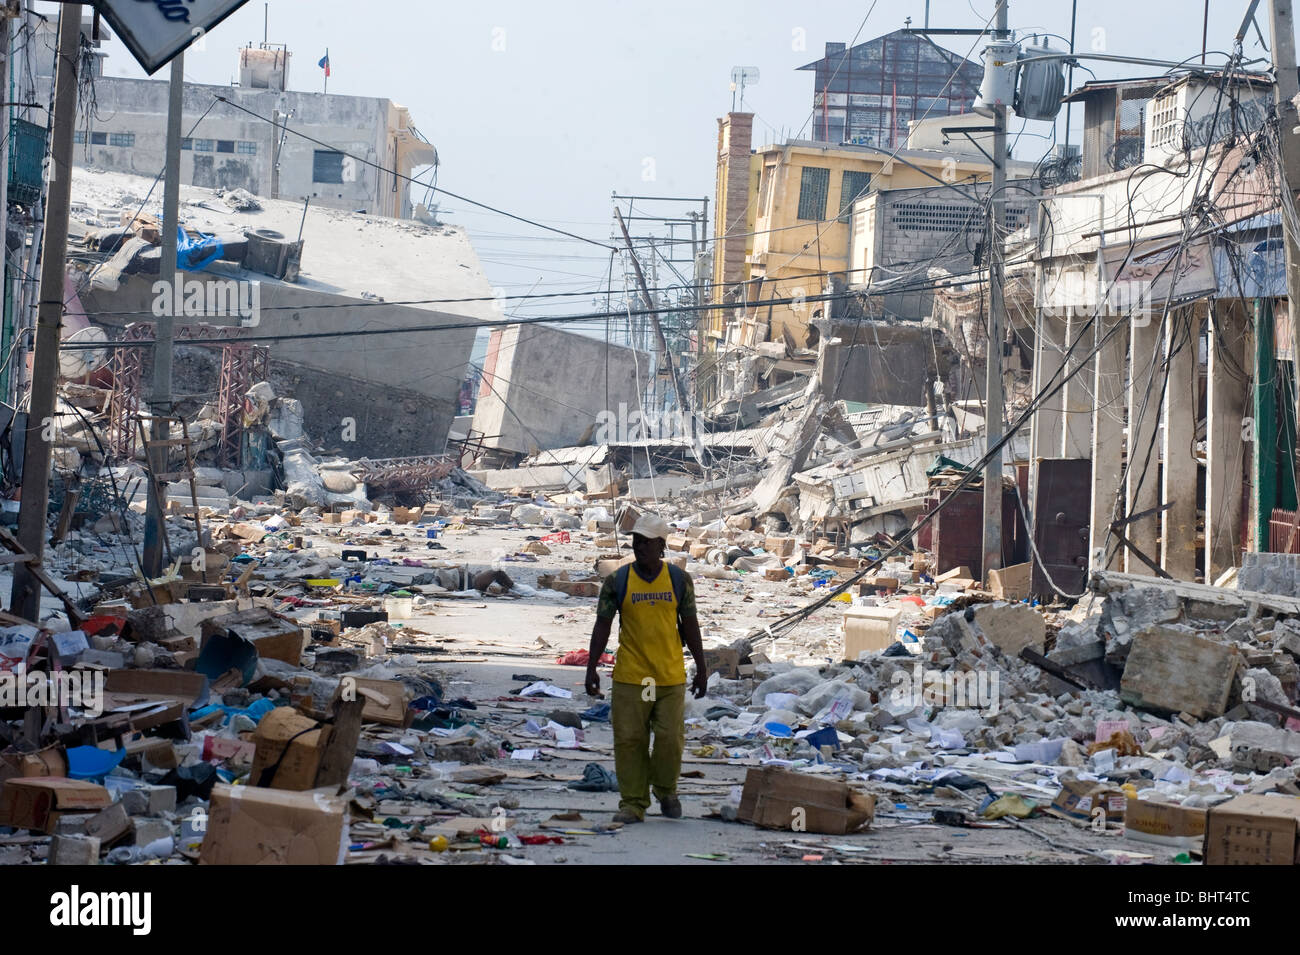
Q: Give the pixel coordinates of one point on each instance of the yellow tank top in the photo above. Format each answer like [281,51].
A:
[649,644]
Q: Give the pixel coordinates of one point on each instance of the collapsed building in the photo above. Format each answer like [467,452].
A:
[1120,685]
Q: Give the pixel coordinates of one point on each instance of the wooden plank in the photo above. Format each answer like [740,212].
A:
[70,498]
[75,616]
[1174,670]
[341,746]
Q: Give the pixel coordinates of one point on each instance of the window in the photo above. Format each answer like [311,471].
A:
[813,185]
[852,185]
[121,139]
[187,143]
[327,166]
[205,145]
[79,136]
[245,147]
[99,139]
[225,145]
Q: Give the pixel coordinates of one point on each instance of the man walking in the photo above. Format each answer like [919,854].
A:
[655,602]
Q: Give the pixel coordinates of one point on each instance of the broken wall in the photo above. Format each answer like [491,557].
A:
[543,388]
[883,362]
[424,367]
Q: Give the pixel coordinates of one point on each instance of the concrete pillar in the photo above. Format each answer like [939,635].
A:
[1076,399]
[1142,489]
[1226,402]
[1046,427]
[1182,394]
[1107,438]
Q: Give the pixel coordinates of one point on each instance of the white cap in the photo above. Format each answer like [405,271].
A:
[651,525]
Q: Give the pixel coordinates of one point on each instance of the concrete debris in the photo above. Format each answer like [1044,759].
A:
[355,658]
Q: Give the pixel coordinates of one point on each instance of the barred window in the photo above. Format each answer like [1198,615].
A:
[205,145]
[853,185]
[121,139]
[813,187]
[246,147]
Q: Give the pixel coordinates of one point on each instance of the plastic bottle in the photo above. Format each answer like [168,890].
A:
[158,849]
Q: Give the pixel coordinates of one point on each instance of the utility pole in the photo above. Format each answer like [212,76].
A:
[997,319]
[1285,87]
[660,342]
[275,153]
[161,401]
[25,598]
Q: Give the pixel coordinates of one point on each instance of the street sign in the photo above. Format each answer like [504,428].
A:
[156,30]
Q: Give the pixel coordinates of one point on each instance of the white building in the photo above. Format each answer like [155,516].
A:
[371,143]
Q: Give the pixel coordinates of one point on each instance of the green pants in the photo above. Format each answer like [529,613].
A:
[635,718]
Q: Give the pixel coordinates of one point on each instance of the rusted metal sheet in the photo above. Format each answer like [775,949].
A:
[1284,532]
[1062,510]
[958,530]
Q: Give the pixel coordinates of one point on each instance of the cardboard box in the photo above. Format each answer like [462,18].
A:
[1079,799]
[870,586]
[627,518]
[273,636]
[289,750]
[1011,583]
[331,518]
[776,573]
[699,549]
[869,629]
[385,700]
[1164,824]
[171,691]
[407,515]
[250,826]
[775,798]
[783,547]
[49,761]
[37,802]
[1253,830]
[724,661]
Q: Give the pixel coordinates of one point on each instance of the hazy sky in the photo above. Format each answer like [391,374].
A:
[544,108]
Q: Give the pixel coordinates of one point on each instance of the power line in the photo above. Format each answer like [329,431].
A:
[394,172]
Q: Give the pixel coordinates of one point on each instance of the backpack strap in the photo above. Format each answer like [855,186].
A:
[678,577]
[620,585]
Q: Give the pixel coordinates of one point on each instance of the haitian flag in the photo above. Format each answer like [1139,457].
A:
[324,62]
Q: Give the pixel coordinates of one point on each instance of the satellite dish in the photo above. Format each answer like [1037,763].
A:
[79,362]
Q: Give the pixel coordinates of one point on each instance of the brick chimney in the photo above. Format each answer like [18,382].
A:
[735,133]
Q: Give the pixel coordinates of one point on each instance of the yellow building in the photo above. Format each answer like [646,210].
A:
[804,200]
[783,230]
